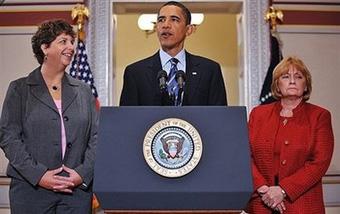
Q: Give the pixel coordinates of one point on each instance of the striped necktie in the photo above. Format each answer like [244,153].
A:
[172,83]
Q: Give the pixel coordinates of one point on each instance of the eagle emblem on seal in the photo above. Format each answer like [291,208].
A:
[172,146]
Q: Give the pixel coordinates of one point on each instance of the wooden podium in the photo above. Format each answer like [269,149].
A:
[221,182]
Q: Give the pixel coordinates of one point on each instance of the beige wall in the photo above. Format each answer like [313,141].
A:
[215,38]
[16,57]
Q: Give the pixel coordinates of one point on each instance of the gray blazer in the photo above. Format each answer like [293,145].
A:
[30,128]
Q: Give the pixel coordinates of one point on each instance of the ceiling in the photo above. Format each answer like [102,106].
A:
[195,7]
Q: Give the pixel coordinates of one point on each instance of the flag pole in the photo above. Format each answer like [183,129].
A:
[274,17]
[80,13]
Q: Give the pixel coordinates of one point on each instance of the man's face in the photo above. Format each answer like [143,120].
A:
[172,29]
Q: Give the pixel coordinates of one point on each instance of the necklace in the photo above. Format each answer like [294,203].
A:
[286,112]
[54,88]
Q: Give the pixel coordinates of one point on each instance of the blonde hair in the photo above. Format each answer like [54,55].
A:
[283,68]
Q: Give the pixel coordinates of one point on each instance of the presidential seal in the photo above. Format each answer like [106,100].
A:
[172,147]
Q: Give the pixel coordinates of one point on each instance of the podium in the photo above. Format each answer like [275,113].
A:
[220,183]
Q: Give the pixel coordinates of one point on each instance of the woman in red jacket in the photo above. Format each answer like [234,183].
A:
[291,145]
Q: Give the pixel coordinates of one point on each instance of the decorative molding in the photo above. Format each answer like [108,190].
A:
[18,30]
[256,50]
[99,48]
[310,29]
[4,181]
[307,7]
[41,5]
[312,2]
[331,179]
[302,17]
[32,18]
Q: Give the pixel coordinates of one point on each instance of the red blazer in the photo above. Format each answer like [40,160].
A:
[305,156]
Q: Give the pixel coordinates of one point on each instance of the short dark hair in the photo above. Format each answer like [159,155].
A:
[186,12]
[47,33]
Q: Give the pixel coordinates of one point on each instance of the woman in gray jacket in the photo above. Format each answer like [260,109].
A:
[48,130]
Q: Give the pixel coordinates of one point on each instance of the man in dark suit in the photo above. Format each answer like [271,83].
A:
[204,83]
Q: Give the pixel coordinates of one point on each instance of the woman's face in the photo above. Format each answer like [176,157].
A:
[292,84]
[61,50]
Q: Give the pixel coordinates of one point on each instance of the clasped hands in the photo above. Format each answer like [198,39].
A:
[272,197]
[52,181]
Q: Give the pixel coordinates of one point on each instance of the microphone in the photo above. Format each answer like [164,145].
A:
[162,77]
[180,78]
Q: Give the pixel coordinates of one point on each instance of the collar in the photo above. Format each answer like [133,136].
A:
[296,110]
[165,57]
[36,78]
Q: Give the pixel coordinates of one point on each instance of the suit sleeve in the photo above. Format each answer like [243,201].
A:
[258,179]
[316,166]
[86,169]
[11,141]
[217,92]
[129,96]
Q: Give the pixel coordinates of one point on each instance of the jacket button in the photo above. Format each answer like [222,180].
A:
[284,162]
[286,142]
[69,145]
[66,118]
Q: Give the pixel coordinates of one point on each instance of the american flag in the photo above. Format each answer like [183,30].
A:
[80,68]
[266,96]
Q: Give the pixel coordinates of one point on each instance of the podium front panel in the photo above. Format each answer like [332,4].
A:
[221,180]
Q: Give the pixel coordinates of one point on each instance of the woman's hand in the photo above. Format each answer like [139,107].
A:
[51,180]
[280,207]
[262,190]
[74,177]
[273,198]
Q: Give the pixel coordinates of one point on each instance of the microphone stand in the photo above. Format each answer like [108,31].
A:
[180,78]
[166,99]
[179,100]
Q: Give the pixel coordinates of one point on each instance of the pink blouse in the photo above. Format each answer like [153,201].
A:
[63,135]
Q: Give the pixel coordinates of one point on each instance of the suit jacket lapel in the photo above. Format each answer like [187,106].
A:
[69,92]
[193,76]
[154,66]
[39,89]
